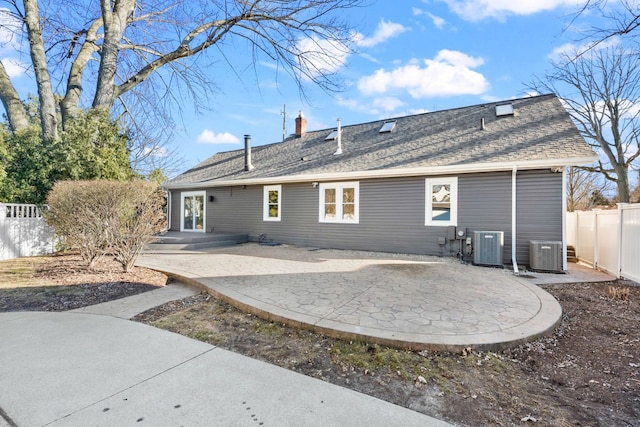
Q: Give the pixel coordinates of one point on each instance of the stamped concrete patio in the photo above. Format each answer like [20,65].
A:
[408,301]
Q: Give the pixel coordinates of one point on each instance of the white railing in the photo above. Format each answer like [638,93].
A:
[24,231]
[608,240]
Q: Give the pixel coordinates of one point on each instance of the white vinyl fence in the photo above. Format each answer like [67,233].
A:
[24,232]
[608,240]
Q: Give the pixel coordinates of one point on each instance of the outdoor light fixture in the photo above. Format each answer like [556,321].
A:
[211,198]
[315,184]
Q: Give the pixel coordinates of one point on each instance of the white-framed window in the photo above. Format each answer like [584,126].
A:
[340,202]
[441,201]
[272,204]
[192,214]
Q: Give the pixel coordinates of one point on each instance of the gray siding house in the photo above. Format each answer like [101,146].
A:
[406,185]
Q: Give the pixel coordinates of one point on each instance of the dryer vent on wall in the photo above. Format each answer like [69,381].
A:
[545,255]
[488,247]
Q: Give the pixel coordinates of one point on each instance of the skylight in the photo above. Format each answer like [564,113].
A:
[388,127]
[332,135]
[504,110]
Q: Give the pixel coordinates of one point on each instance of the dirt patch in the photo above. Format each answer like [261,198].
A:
[587,373]
[63,282]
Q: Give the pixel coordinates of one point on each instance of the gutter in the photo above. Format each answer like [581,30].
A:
[390,173]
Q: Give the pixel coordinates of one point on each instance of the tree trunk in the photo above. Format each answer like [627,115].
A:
[624,194]
[48,114]
[69,104]
[115,22]
[16,113]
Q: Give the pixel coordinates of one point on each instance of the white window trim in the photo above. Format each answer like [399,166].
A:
[339,186]
[265,202]
[204,210]
[453,184]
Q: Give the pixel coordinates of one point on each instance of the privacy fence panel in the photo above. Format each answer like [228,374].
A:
[630,242]
[608,240]
[24,232]
[586,227]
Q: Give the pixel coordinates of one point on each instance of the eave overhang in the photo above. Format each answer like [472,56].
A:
[390,173]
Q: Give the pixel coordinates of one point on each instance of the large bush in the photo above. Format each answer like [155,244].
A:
[106,217]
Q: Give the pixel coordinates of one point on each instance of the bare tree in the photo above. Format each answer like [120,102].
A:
[581,186]
[620,18]
[601,91]
[165,45]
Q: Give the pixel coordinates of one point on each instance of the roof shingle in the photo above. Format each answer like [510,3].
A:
[539,129]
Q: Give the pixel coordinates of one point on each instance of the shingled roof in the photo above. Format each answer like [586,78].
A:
[538,134]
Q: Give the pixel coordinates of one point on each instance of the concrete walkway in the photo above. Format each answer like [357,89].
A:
[126,308]
[79,369]
[408,301]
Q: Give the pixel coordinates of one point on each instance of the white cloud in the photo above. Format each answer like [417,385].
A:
[13,67]
[356,105]
[209,137]
[10,27]
[271,65]
[457,58]
[477,10]
[449,73]
[438,21]
[388,103]
[385,31]
[321,56]
[155,151]
[369,57]
[10,37]
[382,106]
[571,50]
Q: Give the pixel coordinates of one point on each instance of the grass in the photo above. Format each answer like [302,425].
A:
[268,329]
[19,272]
[374,358]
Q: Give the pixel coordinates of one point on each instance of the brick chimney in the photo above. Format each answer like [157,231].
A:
[301,125]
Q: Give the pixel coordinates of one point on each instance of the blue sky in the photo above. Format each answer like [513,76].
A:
[415,56]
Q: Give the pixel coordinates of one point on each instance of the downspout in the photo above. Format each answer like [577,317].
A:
[514,173]
[564,219]
[168,210]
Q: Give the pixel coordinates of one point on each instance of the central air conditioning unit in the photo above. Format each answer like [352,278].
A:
[545,255]
[488,247]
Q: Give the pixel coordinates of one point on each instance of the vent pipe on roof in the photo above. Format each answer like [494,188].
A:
[247,153]
[339,138]
[482,124]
